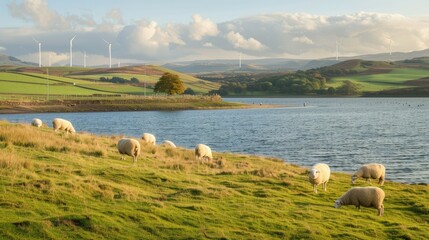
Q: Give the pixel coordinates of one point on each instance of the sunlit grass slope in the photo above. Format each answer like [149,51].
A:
[75,187]
[396,78]
[82,81]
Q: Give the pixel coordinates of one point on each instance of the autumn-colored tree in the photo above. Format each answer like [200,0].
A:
[170,83]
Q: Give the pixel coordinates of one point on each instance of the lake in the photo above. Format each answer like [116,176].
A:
[342,132]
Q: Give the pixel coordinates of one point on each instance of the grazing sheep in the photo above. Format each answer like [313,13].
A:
[129,146]
[368,171]
[149,138]
[36,122]
[204,152]
[363,196]
[62,124]
[169,143]
[319,174]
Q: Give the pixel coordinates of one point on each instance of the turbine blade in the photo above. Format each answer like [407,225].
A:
[73,38]
[105,41]
[35,40]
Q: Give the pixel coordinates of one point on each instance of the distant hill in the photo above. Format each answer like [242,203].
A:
[6,60]
[283,64]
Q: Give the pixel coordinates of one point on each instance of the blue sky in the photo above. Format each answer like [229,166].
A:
[163,31]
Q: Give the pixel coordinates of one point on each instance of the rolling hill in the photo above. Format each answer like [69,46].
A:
[83,81]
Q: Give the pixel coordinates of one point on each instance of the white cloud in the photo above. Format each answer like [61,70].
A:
[303,39]
[296,35]
[238,41]
[148,39]
[39,13]
[200,28]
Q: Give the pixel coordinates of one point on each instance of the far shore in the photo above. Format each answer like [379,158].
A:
[114,105]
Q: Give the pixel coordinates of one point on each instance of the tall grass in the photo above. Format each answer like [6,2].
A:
[76,187]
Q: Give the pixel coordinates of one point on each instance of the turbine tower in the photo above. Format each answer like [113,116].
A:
[110,53]
[336,48]
[40,52]
[71,51]
[84,59]
[239,63]
[390,46]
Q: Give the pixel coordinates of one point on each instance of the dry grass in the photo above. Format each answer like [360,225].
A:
[76,187]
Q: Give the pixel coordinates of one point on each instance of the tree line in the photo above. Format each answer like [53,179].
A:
[309,82]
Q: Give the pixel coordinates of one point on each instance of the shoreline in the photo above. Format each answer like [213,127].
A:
[119,105]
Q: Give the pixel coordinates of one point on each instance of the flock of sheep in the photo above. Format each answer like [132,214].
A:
[319,173]
[357,196]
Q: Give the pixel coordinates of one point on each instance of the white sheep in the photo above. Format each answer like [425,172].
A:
[129,146]
[169,143]
[368,171]
[36,122]
[149,138]
[319,174]
[62,124]
[363,196]
[203,152]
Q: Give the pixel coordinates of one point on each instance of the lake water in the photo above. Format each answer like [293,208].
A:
[342,132]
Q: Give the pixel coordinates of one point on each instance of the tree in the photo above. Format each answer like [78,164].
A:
[134,80]
[170,83]
[189,91]
[348,88]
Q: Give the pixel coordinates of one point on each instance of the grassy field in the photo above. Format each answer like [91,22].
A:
[81,81]
[75,187]
[397,78]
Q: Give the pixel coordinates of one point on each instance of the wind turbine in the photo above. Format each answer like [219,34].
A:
[390,45]
[84,59]
[40,52]
[336,48]
[110,53]
[71,51]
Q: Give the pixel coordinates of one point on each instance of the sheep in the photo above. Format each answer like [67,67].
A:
[36,122]
[169,143]
[363,196]
[62,124]
[149,138]
[129,146]
[204,152]
[368,171]
[319,174]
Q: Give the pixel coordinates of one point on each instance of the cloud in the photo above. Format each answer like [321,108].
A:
[238,41]
[291,35]
[148,39]
[38,12]
[200,28]
[2,48]
[303,39]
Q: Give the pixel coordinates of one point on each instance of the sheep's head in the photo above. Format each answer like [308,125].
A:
[314,173]
[354,178]
[337,204]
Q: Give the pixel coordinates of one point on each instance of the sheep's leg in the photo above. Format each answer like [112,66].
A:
[324,186]
[314,188]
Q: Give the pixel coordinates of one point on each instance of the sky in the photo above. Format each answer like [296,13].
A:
[160,31]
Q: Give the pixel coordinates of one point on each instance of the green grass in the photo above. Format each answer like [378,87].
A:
[75,187]
[21,80]
[377,82]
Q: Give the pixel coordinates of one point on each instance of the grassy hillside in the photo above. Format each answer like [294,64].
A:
[75,187]
[374,76]
[396,78]
[81,81]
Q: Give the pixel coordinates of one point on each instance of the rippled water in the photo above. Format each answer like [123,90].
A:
[343,133]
